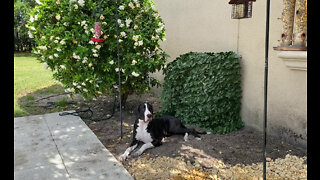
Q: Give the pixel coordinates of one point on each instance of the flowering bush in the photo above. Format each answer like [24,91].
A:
[63,30]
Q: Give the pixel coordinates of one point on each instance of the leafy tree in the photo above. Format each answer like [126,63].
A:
[63,32]
[22,42]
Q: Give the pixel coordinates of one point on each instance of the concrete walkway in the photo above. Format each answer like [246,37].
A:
[56,147]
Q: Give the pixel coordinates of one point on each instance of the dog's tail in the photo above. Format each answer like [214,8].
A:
[195,133]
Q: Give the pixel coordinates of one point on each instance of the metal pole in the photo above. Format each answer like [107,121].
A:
[119,72]
[266,91]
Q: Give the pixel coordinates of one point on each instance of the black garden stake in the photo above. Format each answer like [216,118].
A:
[243,9]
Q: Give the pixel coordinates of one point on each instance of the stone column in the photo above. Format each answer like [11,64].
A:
[287,22]
[300,26]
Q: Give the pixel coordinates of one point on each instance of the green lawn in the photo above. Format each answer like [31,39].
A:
[30,76]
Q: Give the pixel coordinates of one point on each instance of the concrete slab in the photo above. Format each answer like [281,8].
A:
[61,147]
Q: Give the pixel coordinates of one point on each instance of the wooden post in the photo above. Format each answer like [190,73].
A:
[287,23]
[300,26]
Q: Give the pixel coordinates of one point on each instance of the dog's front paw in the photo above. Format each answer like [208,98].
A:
[136,154]
[123,157]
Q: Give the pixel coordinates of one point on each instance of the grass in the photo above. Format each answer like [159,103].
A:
[30,77]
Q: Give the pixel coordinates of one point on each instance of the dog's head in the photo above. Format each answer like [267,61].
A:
[144,112]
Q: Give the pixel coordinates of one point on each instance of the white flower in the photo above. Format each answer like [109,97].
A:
[83,84]
[55,55]
[98,46]
[135,74]
[131,5]
[135,27]
[91,42]
[140,43]
[120,40]
[136,43]
[128,21]
[30,34]
[67,90]
[121,7]
[75,56]
[122,34]
[104,23]
[75,6]
[135,37]
[63,66]
[38,2]
[43,48]
[71,1]
[31,18]
[75,84]
[90,64]
[58,2]
[58,17]
[59,50]
[137,4]
[83,23]
[95,55]
[56,41]
[65,23]
[121,25]
[81,3]
[62,42]
[50,57]
[101,17]
[58,38]
[32,28]
[117,69]
[135,1]
[133,62]
[85,90]
[111,62]
[94,50]
[119,21]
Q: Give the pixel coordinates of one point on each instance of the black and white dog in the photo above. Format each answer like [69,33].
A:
[151,131]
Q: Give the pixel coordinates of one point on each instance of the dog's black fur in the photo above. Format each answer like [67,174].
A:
[157,129]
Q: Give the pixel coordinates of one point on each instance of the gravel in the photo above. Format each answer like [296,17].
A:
[290,167]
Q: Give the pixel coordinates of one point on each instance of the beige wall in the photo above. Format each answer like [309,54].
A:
[206,25]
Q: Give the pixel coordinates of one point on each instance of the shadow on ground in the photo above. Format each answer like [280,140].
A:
[239,147]
[46,100]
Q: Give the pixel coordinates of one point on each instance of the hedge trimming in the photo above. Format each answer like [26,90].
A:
[204,89]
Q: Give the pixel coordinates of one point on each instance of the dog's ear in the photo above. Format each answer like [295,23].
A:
[150,108]
[137,111]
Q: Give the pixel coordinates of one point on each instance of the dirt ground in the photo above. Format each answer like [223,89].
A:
[236,155]
[201,159]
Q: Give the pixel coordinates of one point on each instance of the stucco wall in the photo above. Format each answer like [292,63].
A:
[203,26]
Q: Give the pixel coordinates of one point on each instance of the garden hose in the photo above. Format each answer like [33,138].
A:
[89,117]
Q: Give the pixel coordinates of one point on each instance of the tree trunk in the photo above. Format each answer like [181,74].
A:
[124,98]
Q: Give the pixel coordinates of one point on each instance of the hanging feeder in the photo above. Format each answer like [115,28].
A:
[97,32]
[97,27]
[241,9]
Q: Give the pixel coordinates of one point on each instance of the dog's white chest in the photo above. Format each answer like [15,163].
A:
[142,134]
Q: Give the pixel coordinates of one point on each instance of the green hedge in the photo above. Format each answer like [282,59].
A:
[204,89]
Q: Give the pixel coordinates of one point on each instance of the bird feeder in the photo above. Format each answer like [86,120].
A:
[97,32]
[97,27]
[241,9]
